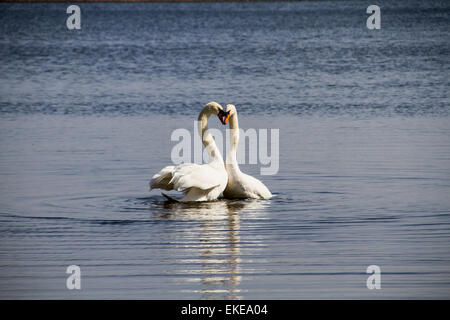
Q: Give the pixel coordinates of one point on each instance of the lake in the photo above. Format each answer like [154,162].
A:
[86,118]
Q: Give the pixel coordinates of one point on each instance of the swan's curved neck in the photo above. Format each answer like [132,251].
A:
[207,139]
[234,139]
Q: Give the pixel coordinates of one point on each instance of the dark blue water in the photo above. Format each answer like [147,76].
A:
[86,119]
[295,58]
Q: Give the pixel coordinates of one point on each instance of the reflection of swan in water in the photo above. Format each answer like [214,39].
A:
[216,256]
[214,210]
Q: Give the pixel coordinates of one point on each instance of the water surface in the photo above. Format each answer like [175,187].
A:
[86,119]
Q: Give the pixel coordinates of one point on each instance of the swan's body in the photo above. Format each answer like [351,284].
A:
[198,182]
[240,185]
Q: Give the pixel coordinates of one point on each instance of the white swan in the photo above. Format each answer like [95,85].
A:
[240,185]
[198,182]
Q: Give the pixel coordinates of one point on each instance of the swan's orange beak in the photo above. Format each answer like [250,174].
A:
[224,116]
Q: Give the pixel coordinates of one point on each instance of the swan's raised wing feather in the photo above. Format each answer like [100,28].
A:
[161,180]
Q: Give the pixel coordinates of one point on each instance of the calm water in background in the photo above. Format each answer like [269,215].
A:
[364,118]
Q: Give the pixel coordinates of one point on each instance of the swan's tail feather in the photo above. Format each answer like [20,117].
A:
[162,180]
[264,192]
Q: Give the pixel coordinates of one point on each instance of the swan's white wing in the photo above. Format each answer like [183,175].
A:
[192,175]
[197,182]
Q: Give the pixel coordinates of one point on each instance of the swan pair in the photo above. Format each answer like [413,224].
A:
[207,181]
